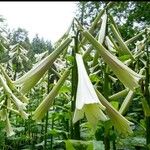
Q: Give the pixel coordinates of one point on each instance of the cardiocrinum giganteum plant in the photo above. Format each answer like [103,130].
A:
[99,77]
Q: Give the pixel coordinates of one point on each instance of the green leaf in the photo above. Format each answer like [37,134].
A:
[90,147]
[69,145]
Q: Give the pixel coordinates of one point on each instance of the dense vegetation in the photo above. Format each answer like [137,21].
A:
[88,91]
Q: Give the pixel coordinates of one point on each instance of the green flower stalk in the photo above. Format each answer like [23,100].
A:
[124,50]
[121,124]
[126,102]
[110,45]
[35,74]
[48,101]
[127,76]
[87,101]
[116,96]
[134,38]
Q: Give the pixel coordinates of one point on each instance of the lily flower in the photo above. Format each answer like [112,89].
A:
[12,86]
[87,101]
[28,80]
[102,31]
[121,124]
[126,75]
[20,105]
[9,129]
[49,99]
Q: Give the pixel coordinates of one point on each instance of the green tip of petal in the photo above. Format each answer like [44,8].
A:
[92,112]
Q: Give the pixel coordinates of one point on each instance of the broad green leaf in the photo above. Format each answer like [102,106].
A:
[69,145]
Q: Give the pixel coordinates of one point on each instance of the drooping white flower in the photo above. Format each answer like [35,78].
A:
[12,86]
[121,124]
[102,31]
[87,101]
[9,129]
[49,99]
[20,105]
[126,75]
[28,80]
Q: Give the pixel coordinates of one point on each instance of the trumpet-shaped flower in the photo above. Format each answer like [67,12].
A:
[102,29]
[59,64]
[12,86]
[35,74]
[123,47]
[20,105]
[9,129]
[126,75]
[86,99]
[121,124]
[2,103]
[48,101]
[23,114]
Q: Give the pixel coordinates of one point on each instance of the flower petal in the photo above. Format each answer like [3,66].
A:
[85,90]
[78,114]
[9,129]
[94,113]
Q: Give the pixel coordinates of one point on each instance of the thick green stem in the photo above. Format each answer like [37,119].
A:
[76,127]
[147,95]
[45,134]
[46,119]
[52,126]
[106,93]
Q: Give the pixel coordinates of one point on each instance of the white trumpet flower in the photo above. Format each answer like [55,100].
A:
[86,99]
[102,31]
[20,105]
[121,124]
[127,76]
[49,99]
[28,80]
[9,129]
